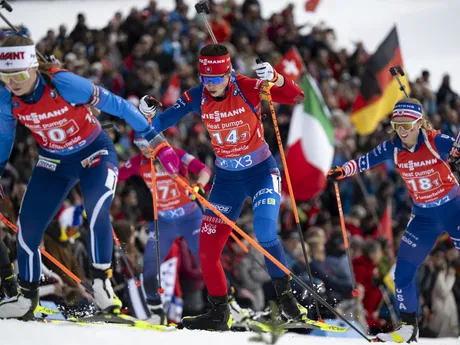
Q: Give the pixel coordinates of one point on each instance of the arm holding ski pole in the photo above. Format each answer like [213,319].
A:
[196,167]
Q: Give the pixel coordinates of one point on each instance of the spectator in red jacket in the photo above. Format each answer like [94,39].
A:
[365,268]
[220,26]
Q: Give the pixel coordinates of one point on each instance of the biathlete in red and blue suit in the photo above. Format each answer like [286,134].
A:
[229,106]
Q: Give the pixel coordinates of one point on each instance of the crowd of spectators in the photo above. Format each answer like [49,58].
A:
[143,53]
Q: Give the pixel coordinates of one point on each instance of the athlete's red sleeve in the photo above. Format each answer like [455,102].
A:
[130,168]
[251,89]
[289,93]
[190,163]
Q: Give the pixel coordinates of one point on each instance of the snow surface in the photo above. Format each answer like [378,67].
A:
[13,332]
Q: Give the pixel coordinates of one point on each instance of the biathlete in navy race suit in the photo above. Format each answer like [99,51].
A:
[229,106]
[420,156]
[178,215]
[55,105]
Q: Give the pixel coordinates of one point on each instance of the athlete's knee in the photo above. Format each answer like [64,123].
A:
[213,236]
[99,208]
[404,273]
[265,229]
[30,234]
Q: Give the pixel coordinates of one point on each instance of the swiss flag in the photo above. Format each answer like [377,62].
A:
[172,93]
[310,5]
[291,65]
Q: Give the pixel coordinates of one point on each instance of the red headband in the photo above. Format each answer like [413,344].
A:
[214,65]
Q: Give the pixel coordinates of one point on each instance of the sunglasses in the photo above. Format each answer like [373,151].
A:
[405,125]
[17,77]
[212,79]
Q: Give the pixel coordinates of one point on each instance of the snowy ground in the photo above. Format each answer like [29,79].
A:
[14,332]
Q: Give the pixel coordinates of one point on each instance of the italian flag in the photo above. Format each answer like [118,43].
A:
[310,143]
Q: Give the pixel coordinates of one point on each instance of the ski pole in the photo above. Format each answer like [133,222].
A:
[397,71]
[207,204]
[291,192]
[202,8]
[125,259]
[355,291]
[155,214]
[52,259]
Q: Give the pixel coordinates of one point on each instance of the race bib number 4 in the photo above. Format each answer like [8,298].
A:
[230,136]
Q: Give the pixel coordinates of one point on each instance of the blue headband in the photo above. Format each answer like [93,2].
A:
[408,109]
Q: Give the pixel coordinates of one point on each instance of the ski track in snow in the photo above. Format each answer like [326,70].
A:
[15,332]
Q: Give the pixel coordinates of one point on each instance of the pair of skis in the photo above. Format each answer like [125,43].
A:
[129,321]
[101,318]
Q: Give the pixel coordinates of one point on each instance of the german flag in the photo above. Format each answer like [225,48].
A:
[379,90]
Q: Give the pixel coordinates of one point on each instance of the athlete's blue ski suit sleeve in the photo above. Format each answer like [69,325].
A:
[443,144]
[385,151]
[189,102]
[76,90]
[379,154]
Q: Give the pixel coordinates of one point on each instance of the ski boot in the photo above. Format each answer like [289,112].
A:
[240,315]
[287,303]
[8,283]
[23,304]
[157,314]
[218,318]
[104,296]
[406,333]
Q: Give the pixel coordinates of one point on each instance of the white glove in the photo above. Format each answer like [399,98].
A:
[148,106]
[265,71]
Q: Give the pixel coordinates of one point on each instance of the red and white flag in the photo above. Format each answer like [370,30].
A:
[291,65]
[310,5]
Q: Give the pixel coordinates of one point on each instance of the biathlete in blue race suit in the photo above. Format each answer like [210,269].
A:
[178,215]
[420,155]
[55,105]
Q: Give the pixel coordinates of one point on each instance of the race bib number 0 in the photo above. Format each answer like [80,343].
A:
[59,135]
